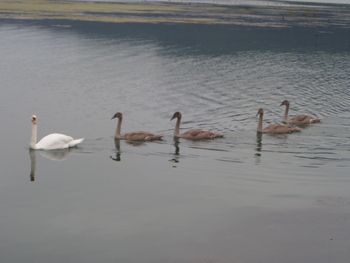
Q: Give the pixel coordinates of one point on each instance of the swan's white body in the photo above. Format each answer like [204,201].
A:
[51,141]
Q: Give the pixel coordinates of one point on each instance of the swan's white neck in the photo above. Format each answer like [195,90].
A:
[177,127]
[285,117]
[119,126]
[260,128]
[32,143]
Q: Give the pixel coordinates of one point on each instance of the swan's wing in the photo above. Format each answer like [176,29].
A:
[304,118]
[200,134]
[208,135]
[141,136]
[280,128]
[193,132]
[54,141]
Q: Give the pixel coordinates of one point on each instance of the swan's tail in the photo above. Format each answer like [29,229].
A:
[75,142]
[315,120]
[155,137]
[295,129]
[217,135]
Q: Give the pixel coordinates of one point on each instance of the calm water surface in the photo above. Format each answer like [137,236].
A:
[241,198]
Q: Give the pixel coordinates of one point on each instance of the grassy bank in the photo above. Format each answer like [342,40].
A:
[175,13]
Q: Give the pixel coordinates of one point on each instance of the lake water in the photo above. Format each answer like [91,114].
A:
[244,198]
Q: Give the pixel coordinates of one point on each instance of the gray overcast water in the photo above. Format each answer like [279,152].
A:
[242,198]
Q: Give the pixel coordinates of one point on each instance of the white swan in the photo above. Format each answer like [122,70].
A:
[300,119]
[193,133]
[134,136]
[51,141]
[274,128]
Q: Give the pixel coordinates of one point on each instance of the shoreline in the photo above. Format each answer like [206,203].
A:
[244,15]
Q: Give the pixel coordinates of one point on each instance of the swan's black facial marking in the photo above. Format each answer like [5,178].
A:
[34,119]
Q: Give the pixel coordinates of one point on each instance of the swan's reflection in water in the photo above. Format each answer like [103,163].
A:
[177,150]
[278,144]
[55,155]
[117,146]
[117,157]
[32,155]
[258,147]
[258,142]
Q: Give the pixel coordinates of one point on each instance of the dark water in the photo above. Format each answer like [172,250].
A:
[242,198]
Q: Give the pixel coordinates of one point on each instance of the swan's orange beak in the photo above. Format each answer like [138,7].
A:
[34,121]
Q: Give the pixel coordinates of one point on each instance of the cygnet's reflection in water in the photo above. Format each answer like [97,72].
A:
[117,146]
[55,155]
[258,147]
[177,150]
[278,143]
